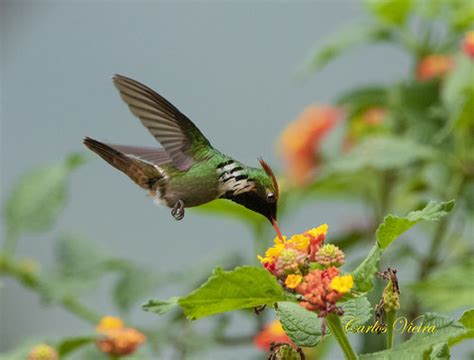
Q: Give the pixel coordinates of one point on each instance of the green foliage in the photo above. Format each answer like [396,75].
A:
[381,153]
[243,287]
[359,310]
[231,210]
[345,40]
[447,289]
[39,197]
[363,275]
[69,345]
[301,325]
[393,226]
[422,344]
[467,319]
[161,307]
[390,11]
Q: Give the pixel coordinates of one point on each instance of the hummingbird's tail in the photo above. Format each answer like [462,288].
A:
[142,173]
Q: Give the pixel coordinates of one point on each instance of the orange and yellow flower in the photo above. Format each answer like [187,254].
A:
[286,257]
[293,280]
[433,66]
[272,333]
[300,142]
[116,339]
[342,284]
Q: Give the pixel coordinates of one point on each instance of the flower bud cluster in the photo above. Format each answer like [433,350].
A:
[305,265]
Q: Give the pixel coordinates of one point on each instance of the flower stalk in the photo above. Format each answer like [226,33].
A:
[334,323]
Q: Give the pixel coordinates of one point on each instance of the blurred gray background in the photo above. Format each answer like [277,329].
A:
[231,67]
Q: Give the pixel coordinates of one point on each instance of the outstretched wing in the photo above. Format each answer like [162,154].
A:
[156,156]
[181,139]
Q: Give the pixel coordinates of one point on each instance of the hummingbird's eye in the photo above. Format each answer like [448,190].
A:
[271,197]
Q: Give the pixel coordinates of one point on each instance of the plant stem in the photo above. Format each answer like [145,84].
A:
[390,317]
[335,326]
[31,280]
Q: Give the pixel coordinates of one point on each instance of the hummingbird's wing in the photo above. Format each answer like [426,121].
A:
[156,156]
[181,139]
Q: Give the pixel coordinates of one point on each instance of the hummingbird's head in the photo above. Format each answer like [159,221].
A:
[263,195]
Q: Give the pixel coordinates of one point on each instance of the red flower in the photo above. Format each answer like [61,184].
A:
[468,44]
[300,141]
[272,333]
[433,66]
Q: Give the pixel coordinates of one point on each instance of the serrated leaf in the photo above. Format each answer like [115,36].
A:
[69,345]
[393,226]
[390,11]
[363,275]
[358,311]
[448,289]
[381,153]
[421,344]
[243,287]
[301,325]
[161,307]
[133,284]
[39,196]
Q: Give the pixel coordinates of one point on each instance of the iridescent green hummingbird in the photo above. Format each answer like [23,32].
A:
[187,171]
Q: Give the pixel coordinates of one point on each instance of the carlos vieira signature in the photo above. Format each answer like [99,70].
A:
[401,325]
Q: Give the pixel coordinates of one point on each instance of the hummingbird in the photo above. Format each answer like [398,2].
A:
[187,170]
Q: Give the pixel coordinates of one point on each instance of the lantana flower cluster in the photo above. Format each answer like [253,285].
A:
[116,339]
[305,265]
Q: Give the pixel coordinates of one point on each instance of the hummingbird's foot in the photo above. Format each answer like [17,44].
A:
[178,210]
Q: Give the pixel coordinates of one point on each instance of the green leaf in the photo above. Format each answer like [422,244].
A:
[39,196]
[448,289]
[440,352]
[229,209]
[422,343]
[358,311]
[134,283]
[362,98]
[391,11]
[379,152]
[243,287]
[69,345]
[347,39]
[467,319]
[363,275]
[161,307]
[393,226]
[301,325]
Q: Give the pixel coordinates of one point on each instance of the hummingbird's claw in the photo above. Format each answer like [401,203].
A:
[178,210]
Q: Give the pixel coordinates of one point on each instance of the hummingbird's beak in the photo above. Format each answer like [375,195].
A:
[277,229]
